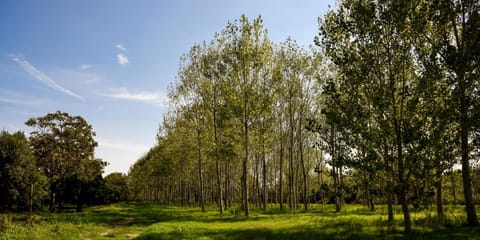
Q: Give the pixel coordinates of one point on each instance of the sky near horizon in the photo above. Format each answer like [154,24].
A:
[112,61]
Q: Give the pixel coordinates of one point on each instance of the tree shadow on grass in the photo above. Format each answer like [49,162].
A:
[311,234]
[334,231]
[252,234]
[132,214]
[143,215]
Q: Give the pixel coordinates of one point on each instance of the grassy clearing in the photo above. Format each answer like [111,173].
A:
[153,221]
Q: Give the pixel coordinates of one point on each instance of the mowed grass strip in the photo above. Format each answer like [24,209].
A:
[155,221]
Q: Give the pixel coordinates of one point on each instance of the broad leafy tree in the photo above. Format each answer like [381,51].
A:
[63,146]
[22,185]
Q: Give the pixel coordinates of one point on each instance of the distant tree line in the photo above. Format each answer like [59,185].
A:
[385,110]
[55,167]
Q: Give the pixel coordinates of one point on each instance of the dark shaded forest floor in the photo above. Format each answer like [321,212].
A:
[154,221]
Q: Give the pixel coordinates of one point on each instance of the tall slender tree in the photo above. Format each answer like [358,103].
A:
[457,22]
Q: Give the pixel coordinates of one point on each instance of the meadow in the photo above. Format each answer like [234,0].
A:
[155,221]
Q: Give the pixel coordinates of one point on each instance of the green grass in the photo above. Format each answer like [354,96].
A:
[154,221]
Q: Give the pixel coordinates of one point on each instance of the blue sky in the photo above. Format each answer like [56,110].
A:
[112,61]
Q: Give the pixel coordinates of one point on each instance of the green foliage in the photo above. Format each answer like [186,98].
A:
[5,223]
[64,148]
[61,142]
[153,171]
[402,89]
[21,183]
[117,186]
[385,107]
[236,99]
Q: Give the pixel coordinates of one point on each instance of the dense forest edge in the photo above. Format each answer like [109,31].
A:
[381,112]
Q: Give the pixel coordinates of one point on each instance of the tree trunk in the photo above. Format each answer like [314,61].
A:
[256,184]
[406,212]
[335,171]
[79,205]
[472,219]
[264,173]
[338,205]
[290,178]
[292,187]
[244,188]
[280,187]
[31,202]
[227,185]
[402,180]
[52,199]
[200,177]
[304,172]
[245,159]
[190,194]
[217,165]
[454,189]
[439,194]
[368,195]
[390,205]
[322,194]
[464,123]
[275,195]
[389,187]
[182,190]
[371,203]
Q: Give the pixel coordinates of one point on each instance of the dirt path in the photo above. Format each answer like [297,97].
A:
[119,227]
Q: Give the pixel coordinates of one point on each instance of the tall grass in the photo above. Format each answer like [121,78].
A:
[153,221]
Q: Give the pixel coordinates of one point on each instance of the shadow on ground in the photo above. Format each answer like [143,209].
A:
[257,234]
[140,214]
[143,215]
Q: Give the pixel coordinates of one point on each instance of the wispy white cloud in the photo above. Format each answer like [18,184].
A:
[23,112]
[155,98]
[16,98]
[42,77]
[75,76]
[124,93]
[122,59]
[121,47]
[21,101]
[85,66]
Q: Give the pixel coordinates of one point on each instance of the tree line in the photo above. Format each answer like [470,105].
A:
[382,110]
[55,167]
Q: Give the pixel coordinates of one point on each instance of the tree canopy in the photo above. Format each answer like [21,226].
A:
[64,148]
[381,110]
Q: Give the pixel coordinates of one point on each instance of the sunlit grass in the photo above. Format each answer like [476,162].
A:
[154,221]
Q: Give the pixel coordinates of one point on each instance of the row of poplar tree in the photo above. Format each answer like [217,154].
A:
[55,167]
[389,95]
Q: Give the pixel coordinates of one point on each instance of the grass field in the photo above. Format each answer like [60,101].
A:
[153,221]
